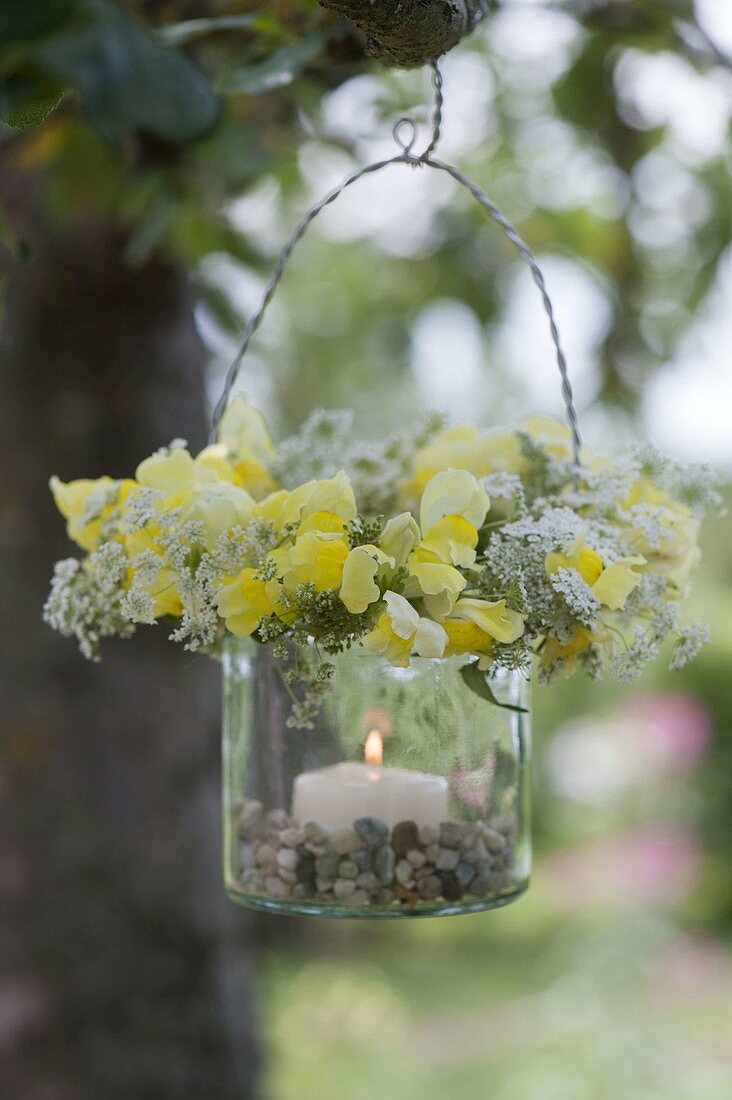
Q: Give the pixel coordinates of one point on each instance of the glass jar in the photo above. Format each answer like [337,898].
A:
[409,797]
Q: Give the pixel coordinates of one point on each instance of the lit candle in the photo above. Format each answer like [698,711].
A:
[338,795]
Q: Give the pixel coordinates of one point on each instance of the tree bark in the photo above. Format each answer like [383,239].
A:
[124,969]
[408,33]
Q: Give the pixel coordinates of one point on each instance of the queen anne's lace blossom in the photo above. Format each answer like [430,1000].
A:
[455,541]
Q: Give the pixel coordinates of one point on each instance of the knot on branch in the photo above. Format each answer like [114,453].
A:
[408,33]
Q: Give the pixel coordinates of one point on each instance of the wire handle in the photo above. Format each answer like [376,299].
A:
[405,135]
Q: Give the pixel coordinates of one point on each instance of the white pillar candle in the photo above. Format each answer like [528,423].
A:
[336,796]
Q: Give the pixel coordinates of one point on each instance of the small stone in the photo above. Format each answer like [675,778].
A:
[344,841]
[481,886]
[501,882]
[451,888]
[372,831]
[424,872]
[429,888]
[301,891]
[343,888]
[253,880]
[248,857]
[428,834]
[292,836]
[469,837]
[249,824]
[450,834]
[287,859]
[305,869]
[403,893]
[362,859]
[323,885]
[347,869]
[404,872]
[327,866]
[315,849]
[477,853]
[368,881]
[464,873]
[506,824]
[416,858]
[382,897]
[314,833]
[266,856]
[275,887]
[404,836]
[384,864]
[431,852]
[447,859]
[358,897]
[493,840]
[287,876]
[277,819]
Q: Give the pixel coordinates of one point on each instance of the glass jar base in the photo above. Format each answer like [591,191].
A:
[367,911]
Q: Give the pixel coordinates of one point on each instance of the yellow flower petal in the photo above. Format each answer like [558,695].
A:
[359,588]
[453,493]
[334,494]
[399,537]
[244,432]
[317,559]
[493,618]
[615,583]
[453,540]
[244,603]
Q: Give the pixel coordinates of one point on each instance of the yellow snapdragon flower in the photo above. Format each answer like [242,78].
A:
[475,625]
[361,568]
[243,603]
[243,431]
[71,499]
[399,537]
[316,558]
[439,585]
[464,447]
[400,630]
[678,555]
[333,494]
[219,506]
[611,585]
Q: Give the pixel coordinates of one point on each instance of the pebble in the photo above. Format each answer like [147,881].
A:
[494,841]
[314,833]
[287,876]
[429,887]
[347,869]
[481,886]
[358,897]
[287,859]
[403,872]
[275,887]
[323,884]
[447,859]
[343,888]
[372,831]
[428,834]
[477,853]
[277,819]
[368,881]
[292,837]
[305,869]
[431,852]
[404,837]
[384,864]
[345,841]
[362,859]
[450,834]
[416,858]
[327,866]
[451,888]
[266,856]
[248,857]
[464,873]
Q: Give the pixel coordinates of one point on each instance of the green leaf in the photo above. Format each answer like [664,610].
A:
[276,71]
[128,81]
[24,20]
[477,682]
[178,34]
[33,112]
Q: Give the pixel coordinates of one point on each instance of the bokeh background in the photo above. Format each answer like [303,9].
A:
[139,222]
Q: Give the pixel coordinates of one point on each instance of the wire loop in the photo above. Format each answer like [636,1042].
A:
[406,144]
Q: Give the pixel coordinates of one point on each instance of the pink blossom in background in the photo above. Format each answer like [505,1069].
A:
[656,864]
[693,964]
[677,729]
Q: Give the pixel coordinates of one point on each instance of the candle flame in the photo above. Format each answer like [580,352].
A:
[373,749]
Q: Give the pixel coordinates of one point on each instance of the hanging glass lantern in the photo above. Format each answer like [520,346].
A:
[409,797]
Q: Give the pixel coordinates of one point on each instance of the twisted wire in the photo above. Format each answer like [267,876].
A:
[406,143]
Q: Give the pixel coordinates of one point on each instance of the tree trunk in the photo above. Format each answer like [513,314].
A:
[124,969]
